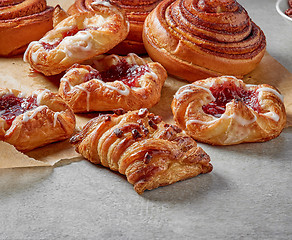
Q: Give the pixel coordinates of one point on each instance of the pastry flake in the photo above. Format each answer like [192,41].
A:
[226,111]
[28,122]
[114,82]
[138,144]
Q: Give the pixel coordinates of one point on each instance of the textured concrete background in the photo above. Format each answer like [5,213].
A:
[247,196]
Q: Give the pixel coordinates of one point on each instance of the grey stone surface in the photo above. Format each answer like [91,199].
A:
[247,196]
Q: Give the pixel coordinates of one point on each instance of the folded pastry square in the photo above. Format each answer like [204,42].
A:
[21,22]
[136,12]
[196,39]
[77,38]
[128,82]
[138,144]
[226,111]
[28,122]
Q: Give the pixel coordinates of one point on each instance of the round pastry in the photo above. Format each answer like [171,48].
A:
[128,82]
[196,39]
[21,22]
[34,121]
[136,12]
[77,38]
[138,144]
[226,111]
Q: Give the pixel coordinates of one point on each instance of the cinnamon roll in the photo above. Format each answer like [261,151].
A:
[226,111]
[196,39]
[28,122]
[141,146]
[114,82]
[22,21]
[136,12]
[77,38]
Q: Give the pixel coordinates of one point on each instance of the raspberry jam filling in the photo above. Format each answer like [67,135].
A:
[123,71]
[12,106]
[225,93]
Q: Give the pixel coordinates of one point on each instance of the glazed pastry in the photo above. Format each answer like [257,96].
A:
[196,39]
[34,121]
[141,146]
[128,82]
[136,12]
[77,38]
[22,22]
[226,111]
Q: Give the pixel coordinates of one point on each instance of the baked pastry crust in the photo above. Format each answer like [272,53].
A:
[136,12]
[77,38]
[22,22]
[128,82]
[226,111]
[141,146]
[199,39]
[42,118]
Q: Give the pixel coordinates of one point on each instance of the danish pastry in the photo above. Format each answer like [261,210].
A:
[128,82]
[141,146]
[34,121]
[203,38]
[22,22]
[226,111]
[136,12]
[77,38]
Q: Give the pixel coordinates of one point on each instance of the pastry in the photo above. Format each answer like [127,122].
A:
[34,121]
[196,39]
[136,12]
[141,146]
[226,111]
[128,82]
[22,22]
[77,38]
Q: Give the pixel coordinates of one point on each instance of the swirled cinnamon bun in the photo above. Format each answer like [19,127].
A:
[196,39]
[22,21]
[113,82]
[28,122]
[136,12]
[141,146]
[226,111]
[77,38]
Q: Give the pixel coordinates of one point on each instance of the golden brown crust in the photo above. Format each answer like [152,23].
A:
[141,146]
[49,121]
[77,38]
[133,83]
[21,23]
[136,12]
[194,41]
[256,113]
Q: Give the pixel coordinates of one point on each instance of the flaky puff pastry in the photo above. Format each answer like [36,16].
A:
[226,111]
[34,121]
[77,38]
[136,12]
[141,146]
[128,82]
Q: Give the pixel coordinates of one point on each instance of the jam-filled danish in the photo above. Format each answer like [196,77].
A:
[28,122]
[77,38]
[141,146]
[128,82]
[226,111]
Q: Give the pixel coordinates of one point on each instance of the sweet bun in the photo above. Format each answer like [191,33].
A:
[22,22]
[203,38]
[226,111]
[114,82]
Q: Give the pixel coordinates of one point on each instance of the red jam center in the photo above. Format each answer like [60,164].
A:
[123,71]
[12,106]
[225,93]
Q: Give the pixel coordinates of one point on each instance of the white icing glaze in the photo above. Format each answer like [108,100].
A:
[87,96]
[25,55]
[184,91]
[40,95]
[267,89]
[124,91]
[100,2]
[35,112]
[274,116]
[56,114]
